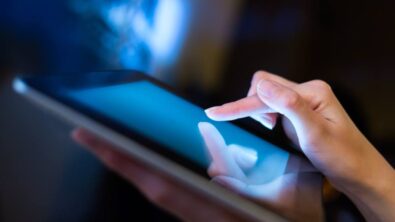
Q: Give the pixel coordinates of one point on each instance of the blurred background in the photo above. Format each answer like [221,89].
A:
[208,49]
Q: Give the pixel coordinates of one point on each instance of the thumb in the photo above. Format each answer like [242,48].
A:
[289,103]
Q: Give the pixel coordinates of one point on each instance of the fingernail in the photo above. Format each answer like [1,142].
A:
[265,88]
[211,110]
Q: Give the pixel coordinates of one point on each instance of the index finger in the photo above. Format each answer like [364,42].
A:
[242,108]
[249,106]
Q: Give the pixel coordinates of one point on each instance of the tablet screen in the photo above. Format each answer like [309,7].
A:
[171,122]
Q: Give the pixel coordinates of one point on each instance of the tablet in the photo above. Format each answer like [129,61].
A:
[146,119]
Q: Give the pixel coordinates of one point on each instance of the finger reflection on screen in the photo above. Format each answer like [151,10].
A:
[231,166]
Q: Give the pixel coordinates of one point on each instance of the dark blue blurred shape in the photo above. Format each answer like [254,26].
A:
[49,26]
[95,34]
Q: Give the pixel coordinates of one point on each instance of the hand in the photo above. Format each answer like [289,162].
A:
[283,195]
[316,122]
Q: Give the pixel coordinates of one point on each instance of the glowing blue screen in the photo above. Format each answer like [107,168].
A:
[170,120]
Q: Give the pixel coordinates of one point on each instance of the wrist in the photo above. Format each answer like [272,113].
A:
[369,172]
[372,189]
[375,175]
[377,187]
[376,200]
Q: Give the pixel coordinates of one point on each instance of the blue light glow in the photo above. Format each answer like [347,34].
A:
[173,122]
[117,15]
[19,86]
[167,31]
[149,34]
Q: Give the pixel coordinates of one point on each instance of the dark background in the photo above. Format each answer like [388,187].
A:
[45,177]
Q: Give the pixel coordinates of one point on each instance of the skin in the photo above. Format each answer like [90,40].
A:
[312,118]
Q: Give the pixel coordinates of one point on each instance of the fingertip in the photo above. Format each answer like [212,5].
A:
[204,126]
[222,113]
[74,134]
[86,139]
[212,113]
[77,134]
[211,110]
[210,132]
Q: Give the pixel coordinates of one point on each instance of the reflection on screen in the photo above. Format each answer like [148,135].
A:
[169,120]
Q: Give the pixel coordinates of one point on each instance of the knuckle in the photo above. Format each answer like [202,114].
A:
[259,75]
[321,89]
[291,100]
[322,86]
